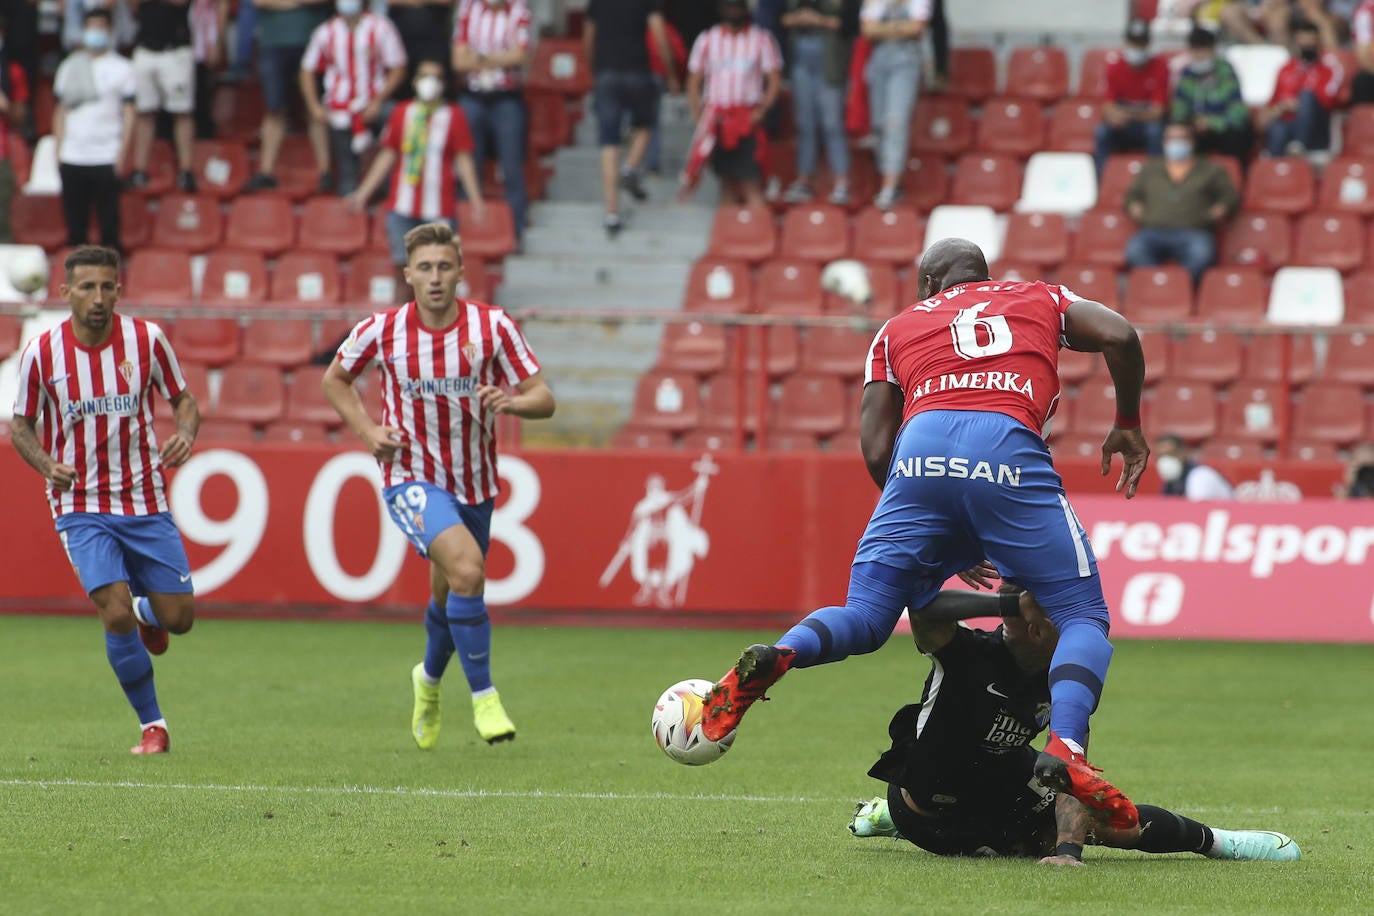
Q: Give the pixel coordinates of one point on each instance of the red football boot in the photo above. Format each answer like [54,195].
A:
[1065,771]
[155,639]
[758,668]
[155,741]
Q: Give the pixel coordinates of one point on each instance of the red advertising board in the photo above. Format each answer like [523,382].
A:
[723,539]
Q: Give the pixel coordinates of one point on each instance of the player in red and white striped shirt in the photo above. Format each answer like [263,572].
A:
[446,364]
[362,60]
[89,382]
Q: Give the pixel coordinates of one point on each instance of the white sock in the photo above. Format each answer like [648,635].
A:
[1073,746]
[147,725]
[478,694]
[426,679]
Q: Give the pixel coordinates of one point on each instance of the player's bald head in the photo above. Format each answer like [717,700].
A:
[949,262]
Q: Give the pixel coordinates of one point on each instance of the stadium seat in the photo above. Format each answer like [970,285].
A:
[306,403]
[377,240]
[1094,411]
[1092,72]
[1232,295]
[1039,238]
[815,232]
[490,238]
[237,110]
[1207,357]
[1090,280]
[1078,446]
[38,221]
[1346,186]
[550,126]
[162,171]
[1224,448]
[206,341]
[220,166]
[234,277]
[1257,67]
[1310,450]
[811,404]
[478,283]
[251,394]
[1014,270]
[328,225]
[1073,126]
[1350,359]
[1010,126]
[835,351]
[977,224]
[1155,346]
[290,432]
[262,223]
[1158,294]
[1038,73]
[234,433]
[1264,359]
[983,180]
[702,349]
[11,326]
[942,125]
[1117,176]
[778,345]
[305,277]
[1283,184]
[892,235]
[1186,410]
[718,284]
[888,297]
[1359,297]
[972,74]
[743,233]
[925,182]
[189,222]
[1263,240]
[560,65]
[284,343]
[1076,367]
[197,380]
[1330,412]
[789,287]
[1306,295]
[371,280]
[1357,137]
[135,222]
[298,174]
[1102,237]
[668,401]
[627,437]
[1335,240]
[1059,183]
[721,404]
[159,276]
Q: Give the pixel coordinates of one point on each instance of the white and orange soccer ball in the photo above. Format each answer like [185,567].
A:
[677,724]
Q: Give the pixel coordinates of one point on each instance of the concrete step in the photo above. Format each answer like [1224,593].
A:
[664,297]
[605,272]
[595,352]
[653,214]
[632,243]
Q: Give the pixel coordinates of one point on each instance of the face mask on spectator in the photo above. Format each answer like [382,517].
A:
[1178,150]
[1170,467]
[95,39]
[1136,57]
[1205,65]
[429,88]
[350,8]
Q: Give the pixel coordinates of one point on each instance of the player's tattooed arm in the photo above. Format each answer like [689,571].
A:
[177,449]
[24,436]
[1072,824]
[880,416]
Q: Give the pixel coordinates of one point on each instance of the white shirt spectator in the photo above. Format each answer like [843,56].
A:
[93,129]
[1203,483]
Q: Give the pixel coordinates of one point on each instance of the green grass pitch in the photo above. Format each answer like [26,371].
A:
[293,785]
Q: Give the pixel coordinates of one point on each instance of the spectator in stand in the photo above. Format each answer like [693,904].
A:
[1362,37]
[93,124]
[1271,21]
[361,59]
[624,85]
[123,31]
[491,45]
[734,75]
[676,65]
[1186,477]
[21,30]
[423,27]
[893,74]
[820,68]
[245,40]
[1179,200]
[1359,474]
[14,100]
[284,30]
[209,33]
[1207,95]
[165,74]
[1137,94]
[429,140]
[1298,117]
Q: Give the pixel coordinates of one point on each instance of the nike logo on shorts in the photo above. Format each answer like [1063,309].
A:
[186,578]
[992,689]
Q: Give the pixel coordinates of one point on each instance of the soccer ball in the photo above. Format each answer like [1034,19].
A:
[677,724]
[27,268]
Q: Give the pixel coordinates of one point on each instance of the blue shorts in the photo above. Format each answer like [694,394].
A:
[422,511]
[396,228]
[143,550]
[279,74]
[616,93]
[964,486]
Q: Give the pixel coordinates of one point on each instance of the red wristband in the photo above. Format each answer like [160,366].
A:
[1124,422]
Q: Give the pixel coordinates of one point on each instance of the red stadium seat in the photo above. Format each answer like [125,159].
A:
[1102,237]
[722,405]
[1008,269]
[135,222]
[298,174]
[377,240]
[1359,297]
[1091,281]
[1208,357]
[942,125]
[550,126]
[11,326]
[37,220]
[1335,240]
[1358,136]
[207,341]
[719,284]
[816,232]
[1223,448]
[668,401]
[225,432]
[262,223]
[811,404]
[1076,367]
[835,351]
[1284,184]
[1038,73]
[284,343]
[371,280]
[982,180]
[895,235]
[694,347]
[1011,126]
[162,171]
[1350,359]
[1232,295]
[220,166]
[328,225]
[251,394]
[1092,72]
[1073,126]
[159,276]
[306,403]
[627,437]
[1039,238]
[925,182]
[305,277]
[198,383]
[888,296]
[1330,412]
[190,222]
[1186,410]
[290,432]
[1156,348]
[560,65]
[492,237]
[237,110]
[1158,294]
[1263,240]
[1264,359]
[782,355]
[1116,180]
[972,74]
[1094,411]
[743,233]
[787,287]
[1348,186]
[1310,450]
[233,277]
[1078,446]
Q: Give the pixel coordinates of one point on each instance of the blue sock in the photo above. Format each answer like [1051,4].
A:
[134,669]
[471,630]
[143,610]
[865,622]
[439,641]
[1077,672]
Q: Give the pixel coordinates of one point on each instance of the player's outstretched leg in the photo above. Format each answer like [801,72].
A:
[471,628]
[155,638]
[424,677]
[134,669]
[1253,845]
[871,818]
[1066,770]
[759,667]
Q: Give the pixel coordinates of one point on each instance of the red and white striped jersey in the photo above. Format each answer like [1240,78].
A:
[205,32]
[96,414]
[429,390]
[355,61]
[734,63]
[489,27]
[422,183]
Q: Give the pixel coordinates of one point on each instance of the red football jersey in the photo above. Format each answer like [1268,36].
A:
[986,346]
